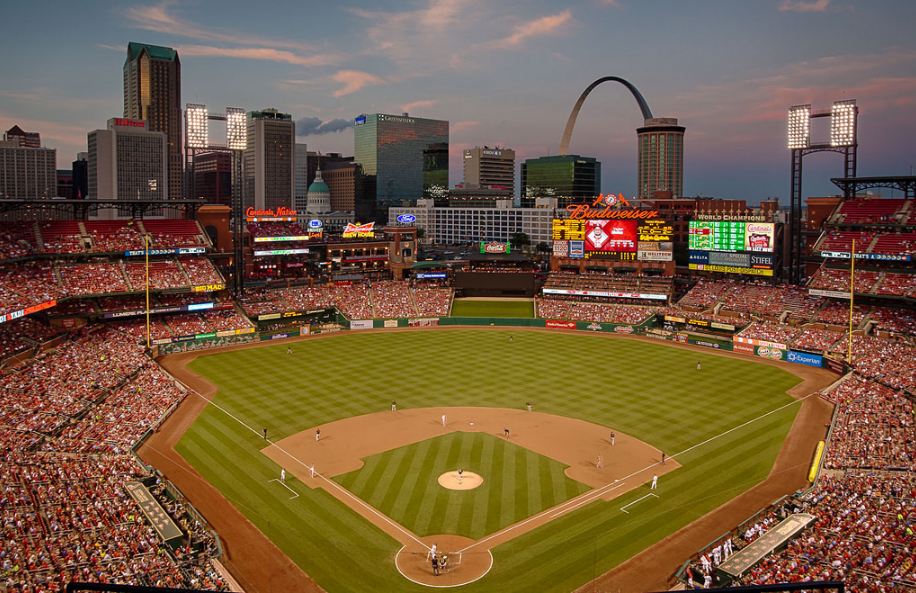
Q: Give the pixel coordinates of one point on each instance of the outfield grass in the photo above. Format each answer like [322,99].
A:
[518,483]
[494,308]
[651,391]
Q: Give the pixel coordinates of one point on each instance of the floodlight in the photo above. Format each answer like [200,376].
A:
[197,126]
[236,128]
[799,122]
[843,123]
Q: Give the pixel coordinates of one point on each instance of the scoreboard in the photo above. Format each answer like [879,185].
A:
[732,236]
[566,229]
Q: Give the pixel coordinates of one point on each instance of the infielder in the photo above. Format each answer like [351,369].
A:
[282,475]
[317,434]
[443,419]
[654,483]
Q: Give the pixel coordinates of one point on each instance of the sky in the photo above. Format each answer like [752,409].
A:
[502,73]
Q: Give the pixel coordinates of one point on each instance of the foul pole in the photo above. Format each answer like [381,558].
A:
[852,285]
[146,252]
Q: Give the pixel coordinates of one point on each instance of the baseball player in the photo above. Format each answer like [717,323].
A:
[613,438]
[654,483]
[317,434]
[312,471]
[443,419]
[460,474]
[599,463]
[506,432]
[394,406]
[282,475]
[699,366]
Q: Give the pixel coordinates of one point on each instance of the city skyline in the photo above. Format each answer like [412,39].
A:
[502,75]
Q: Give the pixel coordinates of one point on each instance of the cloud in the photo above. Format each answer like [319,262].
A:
[804,5]
[460,126]
[158,19]
[545,25]
[313,126]
[353,80]
[257,53]
[421,104]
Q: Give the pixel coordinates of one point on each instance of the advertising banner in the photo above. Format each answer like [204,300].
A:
[606,293]
[424,322]
[759,236]
[208,288]
[359,231]
[755,342]
[612,236]
[709,343]
[739,347]
[561,248]
[281,239]
[27,311]
[833,294]
[559,324]
[874,256]
[390,323]
[732,270]
[431,275]
[806,358]
[495,247]
[577,249]
[361,324]
[263,252]
[770,353]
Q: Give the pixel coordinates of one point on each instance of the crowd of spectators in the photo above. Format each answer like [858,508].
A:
[432,301]
[68,419]
[578,310]
[609,282]
[18,335]
[392,299]
[838,280]
[874,427]
[897,285]
[887,360]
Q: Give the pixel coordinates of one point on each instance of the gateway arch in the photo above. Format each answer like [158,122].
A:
[660,158]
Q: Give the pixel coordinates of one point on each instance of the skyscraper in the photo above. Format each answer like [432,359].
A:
[301,191]
[26,170]
[268,162]
[489,168]
[569,177]
[127,162]
[213,177]
[660,157]
[404,157]
[152,93]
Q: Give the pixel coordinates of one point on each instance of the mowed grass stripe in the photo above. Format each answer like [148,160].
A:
[650,391]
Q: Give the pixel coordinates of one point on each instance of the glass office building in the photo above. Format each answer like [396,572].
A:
[569,178]
[407,156]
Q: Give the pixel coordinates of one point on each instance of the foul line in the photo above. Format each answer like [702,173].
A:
[295,494]
[366,505]
[624,507]
[591,495]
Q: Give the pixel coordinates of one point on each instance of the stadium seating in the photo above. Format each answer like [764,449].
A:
[577,310]
[170,233]
[869,210]
[17,239]
[67,421]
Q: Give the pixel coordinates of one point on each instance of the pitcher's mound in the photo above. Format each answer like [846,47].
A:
[467,480]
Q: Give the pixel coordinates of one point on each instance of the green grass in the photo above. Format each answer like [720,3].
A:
[495,308]
[518,483]
[649,390]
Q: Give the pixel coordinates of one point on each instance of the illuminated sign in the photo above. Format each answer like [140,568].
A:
[561,248]
[732,270]
[315,224]
[606,293]
[406,219]
[495,247]
[359,120]
[208,288]
[431,275]
[128,123]
[279,239]
[269,213]
[733,217]
[655,230]
[613,236]
[280,252]
[874,256]
[27,311]
[577,249]
[607,206]
[361,231]
[563,229]
[732,236]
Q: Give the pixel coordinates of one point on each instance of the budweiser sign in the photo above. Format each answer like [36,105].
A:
[359,230]
[608,207]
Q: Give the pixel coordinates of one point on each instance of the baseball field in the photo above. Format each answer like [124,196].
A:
[545,517]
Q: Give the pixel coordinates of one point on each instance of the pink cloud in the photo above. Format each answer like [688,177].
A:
[420,104]
[354,80]
[257,53]
[157,18]
[545,25]
[804,5]
[460,126]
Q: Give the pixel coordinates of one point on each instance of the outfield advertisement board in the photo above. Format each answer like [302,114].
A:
[805,358]
[361,324]
[770,353]
[423,322]
[559,324]
[755,342]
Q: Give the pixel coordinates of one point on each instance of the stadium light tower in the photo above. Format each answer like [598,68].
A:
[843,139]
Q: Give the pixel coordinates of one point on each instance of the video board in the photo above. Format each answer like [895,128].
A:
[614,239]
[725,235]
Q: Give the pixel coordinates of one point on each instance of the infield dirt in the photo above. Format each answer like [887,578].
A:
[259,565]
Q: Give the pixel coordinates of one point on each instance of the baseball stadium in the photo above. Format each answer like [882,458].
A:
[189,411]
